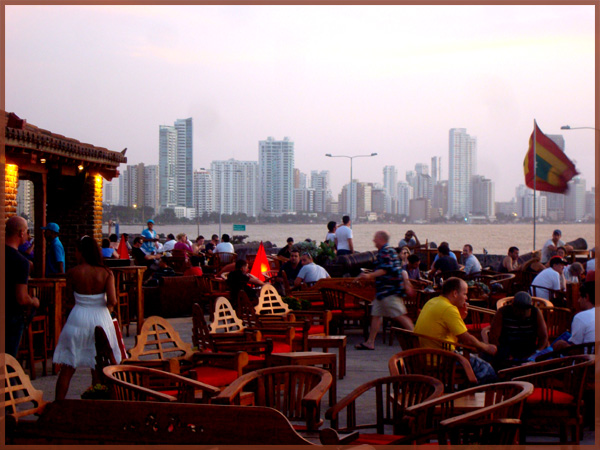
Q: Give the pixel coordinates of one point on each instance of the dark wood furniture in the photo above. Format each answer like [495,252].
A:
[135,276]
[409,339]
[327,341]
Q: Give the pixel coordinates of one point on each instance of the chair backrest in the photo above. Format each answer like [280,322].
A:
[21,399]
[225,258]
[104,353]
[158,342]
[556,297]
[535,301]
[225,320]
[558,320]
[201,337]
[587,348]
[481,432]
[334,299]
[247,312]
[450,368]
[270,302]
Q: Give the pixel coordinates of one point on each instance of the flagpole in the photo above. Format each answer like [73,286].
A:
[534,177]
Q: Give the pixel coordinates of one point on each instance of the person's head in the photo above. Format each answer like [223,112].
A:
[51,230]
[170,237]
[331,226]
[587,295]
[241,264]
[444,250]
[306,258]
[577,269]
[557,263]
[182,237]
[214,238]
[380,239]
[455,290]
[414,261]
[556,235]
[200,240]
[225,238]
[195,261]
[150,224]
[16,230]
[404,252]
[105,243]
[290,241]
[137,242]
[561,251]
[295,256]
[513,252]
[113,238]
[522,303]
[346,220]
[467,250]
[88,251]
[408,235]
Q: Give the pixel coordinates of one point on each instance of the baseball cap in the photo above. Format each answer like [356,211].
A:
[52,227]
[522,300]
[557,232]
[557,260]
[150,221]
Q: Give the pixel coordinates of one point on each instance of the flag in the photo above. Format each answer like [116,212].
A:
[122,250]
[261,263]
[553,168]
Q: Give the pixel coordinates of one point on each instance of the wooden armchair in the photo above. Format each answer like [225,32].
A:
[556,297]
[104,353]
[452,369]
[346,306]
[558,320]
[270,302]
[557,397]
[135,383]
[393,395]
[220,260]
[21,399]
[477,319]
[409,339]
[535,301]
[295,391]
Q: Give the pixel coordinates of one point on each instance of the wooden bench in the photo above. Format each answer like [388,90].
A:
[112,422]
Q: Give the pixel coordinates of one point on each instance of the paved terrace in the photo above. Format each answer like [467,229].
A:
[362,366]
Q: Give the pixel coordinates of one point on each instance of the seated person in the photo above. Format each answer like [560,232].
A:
[549,279]
[444,263]
[142,259]
[410,240]
[518,330]
[583,328]
[239,279]
[194,268]
[107,250]
[472,264]
[442,318]
[574,273]
[591,264]
[225,246]
[510,263]
[452,255]
[170,244]
[310,273]
[412,267]
[285,251]
[291,269]
[114,241]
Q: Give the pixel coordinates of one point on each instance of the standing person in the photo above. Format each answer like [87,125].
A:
[410,240]
[442,318]
[55,258]
[285,251]
[510,263]
[343,238]
[92,286]
[17,275]
[330,237]
[391,284]
[472,264]
[26,248]
[225,246]
[150,238]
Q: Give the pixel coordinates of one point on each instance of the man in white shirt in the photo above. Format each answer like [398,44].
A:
[310,272]
[591,264]
[472,264]
[170,244]
[549,278]
[583,328]
[343,238]
[224,246]
[551,246]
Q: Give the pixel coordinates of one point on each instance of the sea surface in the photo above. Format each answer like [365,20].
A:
[496,239]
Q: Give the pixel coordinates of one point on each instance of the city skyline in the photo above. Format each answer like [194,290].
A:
[337,79]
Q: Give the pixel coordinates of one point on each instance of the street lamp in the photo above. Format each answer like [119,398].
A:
[567,127]
[134,210]
[351,158]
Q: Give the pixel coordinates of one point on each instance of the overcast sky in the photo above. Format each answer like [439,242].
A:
[345,80]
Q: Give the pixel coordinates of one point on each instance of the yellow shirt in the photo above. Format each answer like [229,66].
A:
[440,319]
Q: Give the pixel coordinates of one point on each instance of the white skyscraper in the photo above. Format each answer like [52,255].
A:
[483,197]
[151,192]
[436,169]
[184,168]
[319,181]
[203,192]
[575,200]
[237,184]
[390,183]
[110,191]
[276,162]
[167,163]
[175,161]
[25,199]
[461,163]
[405,194]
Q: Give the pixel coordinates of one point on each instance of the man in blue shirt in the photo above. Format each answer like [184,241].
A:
[55,257]
[150,238]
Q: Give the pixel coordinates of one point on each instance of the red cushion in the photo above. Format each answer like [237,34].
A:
[281,347]
[172,393]
[557,397]
[376,439]
[215,376]
[317,304]
[255,357]
[472,326]
[314,329]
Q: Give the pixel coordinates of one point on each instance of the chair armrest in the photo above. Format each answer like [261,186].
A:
[328,436]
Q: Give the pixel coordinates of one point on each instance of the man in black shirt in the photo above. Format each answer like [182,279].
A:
[291,269]
[444,263]
[17,275]
[285,251]
[239,279]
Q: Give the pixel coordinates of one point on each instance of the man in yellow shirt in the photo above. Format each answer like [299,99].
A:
[442,318]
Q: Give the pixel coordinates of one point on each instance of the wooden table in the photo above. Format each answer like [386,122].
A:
[328,360]
[138,273]
[325,342]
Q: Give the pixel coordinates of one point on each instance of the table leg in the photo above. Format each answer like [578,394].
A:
[140,305]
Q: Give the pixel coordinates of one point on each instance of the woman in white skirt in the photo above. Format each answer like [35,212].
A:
[92,285]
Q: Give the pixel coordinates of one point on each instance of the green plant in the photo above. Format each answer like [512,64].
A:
[96,392]
[297,304]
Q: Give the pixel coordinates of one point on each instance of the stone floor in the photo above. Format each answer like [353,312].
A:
[362,366]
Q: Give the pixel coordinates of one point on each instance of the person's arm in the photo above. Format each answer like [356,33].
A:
[542,331]
[350,245]
[410,292]
[298,281]
[417,243]
[496,329]
[468,339]
[61,267]
[254,280]
[23,297]
[111,292]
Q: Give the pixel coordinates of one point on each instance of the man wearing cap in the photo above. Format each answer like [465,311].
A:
[55,257]
[551,246]
[549,278]
[518,330]
[150,238]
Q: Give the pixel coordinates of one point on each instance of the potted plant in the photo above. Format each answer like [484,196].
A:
[96,392]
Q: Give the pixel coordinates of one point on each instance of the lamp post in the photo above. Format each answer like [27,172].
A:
[351,158]
[134,211]
[567,127]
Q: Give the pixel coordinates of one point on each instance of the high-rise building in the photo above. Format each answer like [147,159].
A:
[319,181]
[590,203]
[110,191]
[378,200]
[575,201]
[236,183]
[203,192]
[167,166]
[525,201]
[462,166]
[139,185]
[421,181]
[175,161]
[483,197]
[276,163]
[420,209]
[184,167]
[390,183]
[25,200]
[439,200]
[151,192]
[436,169]
[405,194]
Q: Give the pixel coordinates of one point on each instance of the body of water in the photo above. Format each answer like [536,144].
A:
[496,239]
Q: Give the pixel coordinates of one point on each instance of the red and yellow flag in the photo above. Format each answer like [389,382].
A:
[553,168]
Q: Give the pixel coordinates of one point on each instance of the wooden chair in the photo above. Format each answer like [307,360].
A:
[224,258]
[452,369]
[210,290]
[21,399]
[295,391]
[345,306]
[556,297]
[135,383]
[558,320]
[409,339]
[477,319]
[557,397]
[104,353]
[159,346]
[535,301]
[269,302]
[122,307]
[438,416]
[34,345]
[393,396]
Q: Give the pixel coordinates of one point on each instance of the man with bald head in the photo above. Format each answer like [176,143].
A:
[17,275]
